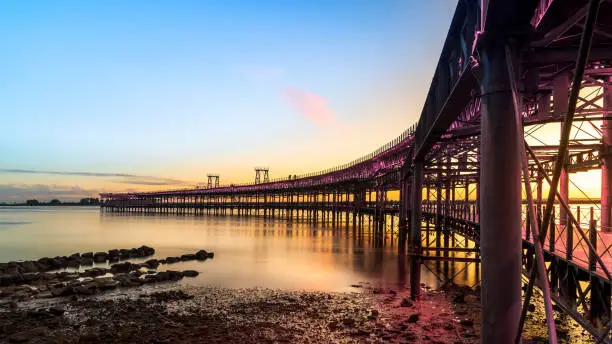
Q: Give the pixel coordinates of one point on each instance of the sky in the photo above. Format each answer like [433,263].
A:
[113,96]
[108,96]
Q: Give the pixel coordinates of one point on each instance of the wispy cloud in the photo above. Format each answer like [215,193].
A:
[126,178]
[311,106]
[43,192]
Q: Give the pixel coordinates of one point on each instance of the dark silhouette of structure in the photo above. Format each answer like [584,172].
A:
[213,181]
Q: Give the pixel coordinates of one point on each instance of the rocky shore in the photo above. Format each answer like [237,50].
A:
[70,275]
[139,303]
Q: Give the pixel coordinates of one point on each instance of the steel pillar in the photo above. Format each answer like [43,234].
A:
[500,201]
[606,163]
[414,244]
[560,102]
[403,212]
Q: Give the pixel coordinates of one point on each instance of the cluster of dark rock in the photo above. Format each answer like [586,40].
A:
[74,260]
[89,285]
[21,280]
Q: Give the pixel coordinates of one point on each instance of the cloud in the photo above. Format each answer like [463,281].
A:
[310,106]
[43,192]
[127,178]
[151,182]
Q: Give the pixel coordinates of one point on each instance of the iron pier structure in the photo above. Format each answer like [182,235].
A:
[472,180]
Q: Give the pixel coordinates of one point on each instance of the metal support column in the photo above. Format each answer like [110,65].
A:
[606,163]
[500,217]
[560,102]
[414,244]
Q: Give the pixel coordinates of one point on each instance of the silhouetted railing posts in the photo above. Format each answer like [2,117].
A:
[552,230]
[593,240]
[569,251]
[527,222]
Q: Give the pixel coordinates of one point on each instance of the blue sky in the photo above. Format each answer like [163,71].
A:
[170,91]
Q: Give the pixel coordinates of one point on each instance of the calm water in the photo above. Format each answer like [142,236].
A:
[249,251]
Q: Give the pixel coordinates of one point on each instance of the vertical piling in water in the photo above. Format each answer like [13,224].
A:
[569,238]
[593,240]
[500,217]
[414,244]
[606,159]
[403,210]
[552,232]
[561,84]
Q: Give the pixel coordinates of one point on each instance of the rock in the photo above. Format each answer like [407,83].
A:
[145,251]
[106,283]
[531,307]
[374,312]
[413,318]
[349,322]
[332,324]
[186,257]
[460,298]
[26,288]
[74,263]
[8,279]
[113,259]
[135,274]
[32,276]
[201,255]
[100,257]
[113,252]
[60,290]
[466,322]
[85,289]
[50,263]
[362,332]
[26,336]
[89,338]
[171,260]
[405,303]
[75,256]
[211,255]
[37,313]
[175,275]
[162,261]
[127,280]
[160,276]
[94,272]
[124,254]
[86,261]
[29,266]
[63,260]
[152,263]
[123,267]
[57,310]
[87,255]
[190,273]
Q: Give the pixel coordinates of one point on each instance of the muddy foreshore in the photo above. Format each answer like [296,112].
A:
[171,313]
[138,303]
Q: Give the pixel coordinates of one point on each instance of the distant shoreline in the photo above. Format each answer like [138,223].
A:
[49,205]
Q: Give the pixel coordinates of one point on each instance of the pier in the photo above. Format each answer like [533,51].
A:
[470,176]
